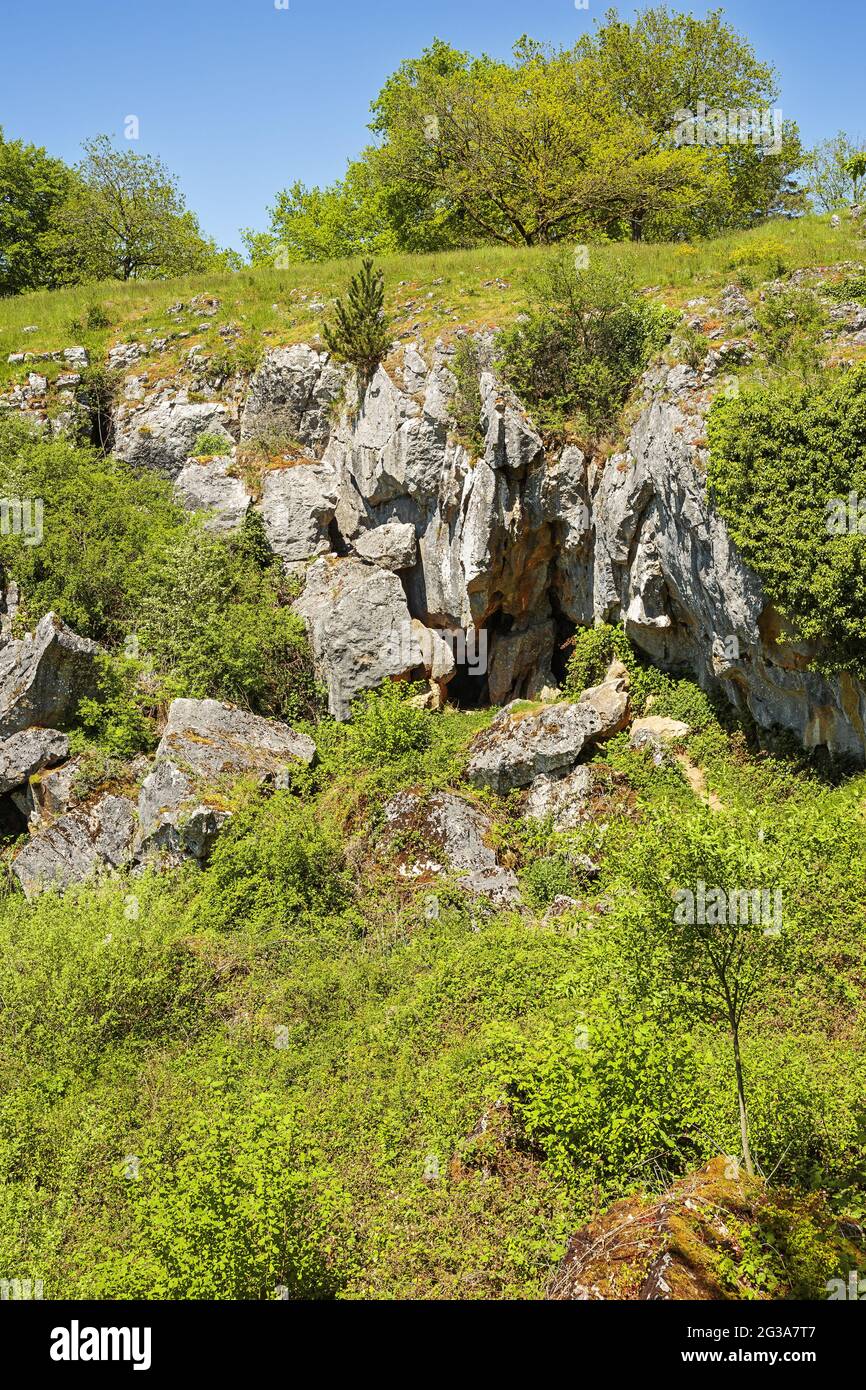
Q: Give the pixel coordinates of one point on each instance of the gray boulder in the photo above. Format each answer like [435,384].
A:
[209,487]
[28,752]
[360,629]
[563,799]
[76,846]
[298,505]
[206,743]
[292,394]
[43,677]
[523,744]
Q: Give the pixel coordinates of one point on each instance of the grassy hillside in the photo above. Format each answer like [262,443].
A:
[304,1068]
[426,295]
[287,1071]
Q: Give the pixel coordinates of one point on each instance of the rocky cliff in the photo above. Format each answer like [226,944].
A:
[422,558]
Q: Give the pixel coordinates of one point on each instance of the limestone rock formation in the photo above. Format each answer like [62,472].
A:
[454,834]
[28,752]
[298,505]
[76,846]
[44,676]
[360,629]
[205,744]
[208,486]
[523,744]
[161,431]
[292,396]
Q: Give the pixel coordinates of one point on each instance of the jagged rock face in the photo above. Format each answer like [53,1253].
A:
[360,629]
[44,677]
[205,741]
[292,396]
[161,432]
[298,505]
[28,752]
[76,846]
[514,547]
[209,487]
[665,566]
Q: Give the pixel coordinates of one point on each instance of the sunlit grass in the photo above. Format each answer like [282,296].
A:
[427,294]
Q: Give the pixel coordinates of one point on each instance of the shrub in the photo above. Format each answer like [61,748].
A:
[278,865]
[466,404]
[779,456]
[585,339]
[207,445]
[240,1208]
[360,333]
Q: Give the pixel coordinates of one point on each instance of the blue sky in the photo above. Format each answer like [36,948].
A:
[240,98]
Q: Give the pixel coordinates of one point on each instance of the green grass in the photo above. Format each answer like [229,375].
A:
[437,292]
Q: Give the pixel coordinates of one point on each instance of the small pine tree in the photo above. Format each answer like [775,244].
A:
[360,333]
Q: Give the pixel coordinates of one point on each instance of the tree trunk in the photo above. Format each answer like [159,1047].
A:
[741,1097]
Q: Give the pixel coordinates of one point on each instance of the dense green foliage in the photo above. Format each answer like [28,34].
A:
[588,142]
[271,1074]
[120,561]
[583,342]
[785,462]
[117,215]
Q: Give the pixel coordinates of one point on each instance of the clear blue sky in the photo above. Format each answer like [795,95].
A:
[240,98]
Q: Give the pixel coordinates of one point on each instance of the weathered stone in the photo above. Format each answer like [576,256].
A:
[43,677]
[360,630]
[292,395]
[209,487]
[298,505]
[205,742]
[523,744]
[76,846]
[455,834]
[563,799]
[394,546]
[654,730]
[27,752]
[161,433]
[51,791]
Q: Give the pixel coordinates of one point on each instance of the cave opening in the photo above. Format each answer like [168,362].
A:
[13,821]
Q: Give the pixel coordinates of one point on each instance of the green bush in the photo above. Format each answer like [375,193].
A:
[208,444]
[239,1209]
[106,527]
[779,456]
[278,866]
[584,341]
[360,333]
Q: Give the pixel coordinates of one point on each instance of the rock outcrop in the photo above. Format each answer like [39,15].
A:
[28,752]
[44,677]
[523,744]
[208,486]
[76,846]
[205,746]
[455,835]
[361,631]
